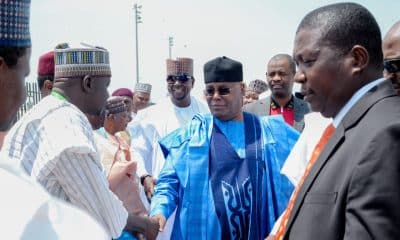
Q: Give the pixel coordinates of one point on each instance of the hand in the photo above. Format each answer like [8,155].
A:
[119,171]
[148,184]
[152,229]
[270,237]
[161,221]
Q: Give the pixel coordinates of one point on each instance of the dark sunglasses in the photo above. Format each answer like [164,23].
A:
[171,79]
[222,91]
[392,65]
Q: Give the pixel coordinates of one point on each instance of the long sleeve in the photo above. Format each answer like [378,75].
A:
[166,193]
[86,186]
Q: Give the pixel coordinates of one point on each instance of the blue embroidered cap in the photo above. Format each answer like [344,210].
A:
[78,62]
[14,23]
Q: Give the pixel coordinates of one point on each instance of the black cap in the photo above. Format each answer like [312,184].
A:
[223,69]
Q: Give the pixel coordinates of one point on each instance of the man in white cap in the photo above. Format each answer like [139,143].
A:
[141,95]
[176,111]
[54,142]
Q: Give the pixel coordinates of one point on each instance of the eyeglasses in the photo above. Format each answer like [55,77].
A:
[392,65]
[222,91]
[171,79]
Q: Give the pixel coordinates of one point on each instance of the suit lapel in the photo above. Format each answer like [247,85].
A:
[350,120]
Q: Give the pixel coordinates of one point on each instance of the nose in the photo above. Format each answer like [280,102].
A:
[299,77]
[276,77]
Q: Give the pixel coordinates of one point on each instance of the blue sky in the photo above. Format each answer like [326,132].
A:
[250,31]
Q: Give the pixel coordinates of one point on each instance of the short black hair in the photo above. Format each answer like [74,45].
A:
[11,54]
[344,25]
[289,58]
[41,79]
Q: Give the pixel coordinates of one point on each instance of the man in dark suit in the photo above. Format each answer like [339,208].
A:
[351,191]
[280,72]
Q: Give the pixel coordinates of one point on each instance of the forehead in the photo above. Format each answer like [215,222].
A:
[142,94]
[278,64]
[307,40]
[222,84]
[391,46]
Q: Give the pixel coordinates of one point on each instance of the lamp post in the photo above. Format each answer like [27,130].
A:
[138,19]
[170,44]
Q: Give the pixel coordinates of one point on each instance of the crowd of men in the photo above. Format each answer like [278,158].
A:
[251,162]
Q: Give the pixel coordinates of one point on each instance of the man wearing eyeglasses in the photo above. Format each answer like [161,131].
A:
[155,122]
[222,170]
[391,55]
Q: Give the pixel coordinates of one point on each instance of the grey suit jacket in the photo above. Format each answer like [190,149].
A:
[352,191]
[261,108]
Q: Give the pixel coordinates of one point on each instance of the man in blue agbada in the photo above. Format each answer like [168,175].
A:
[222,171]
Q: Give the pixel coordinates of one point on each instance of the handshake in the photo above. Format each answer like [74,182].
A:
[149,227]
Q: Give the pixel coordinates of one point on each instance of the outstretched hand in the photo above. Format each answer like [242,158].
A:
[161,221]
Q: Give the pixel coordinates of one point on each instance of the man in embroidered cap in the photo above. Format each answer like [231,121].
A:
[222,170]
[54,143]
[141,95]
[33,218]
[158,120]
[45,73]
[255,88]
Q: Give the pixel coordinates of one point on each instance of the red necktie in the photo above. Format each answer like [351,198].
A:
[317,150]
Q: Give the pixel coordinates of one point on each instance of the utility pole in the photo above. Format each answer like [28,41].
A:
[138,19]
[170,44]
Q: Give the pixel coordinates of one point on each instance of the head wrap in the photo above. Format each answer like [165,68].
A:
[115,105]
[143,87]
[78,62]
[123,92]
[223,69]
[14,23]
[46,64]
[258,86]
[180,66]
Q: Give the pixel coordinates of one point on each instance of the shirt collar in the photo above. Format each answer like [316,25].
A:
[354,99]
[275,105]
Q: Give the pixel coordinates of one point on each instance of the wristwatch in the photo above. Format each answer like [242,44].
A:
[142,178]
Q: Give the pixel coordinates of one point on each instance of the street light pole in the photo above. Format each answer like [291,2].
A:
[170,44]
[138,19]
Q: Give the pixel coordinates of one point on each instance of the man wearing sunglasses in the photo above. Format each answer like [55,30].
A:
[391,55]
[155,122]
[222,170]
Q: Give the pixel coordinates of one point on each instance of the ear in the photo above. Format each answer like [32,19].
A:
[243,88]
[359,60]
[87,84]
[3,63]
[193,80]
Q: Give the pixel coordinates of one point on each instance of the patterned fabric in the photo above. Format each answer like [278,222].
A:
[78,62]
[287,111]
[258,86]
[184,181]
[143,87]
[46,64]
[180,66]
[330,129]
[14,23]
[54,143]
